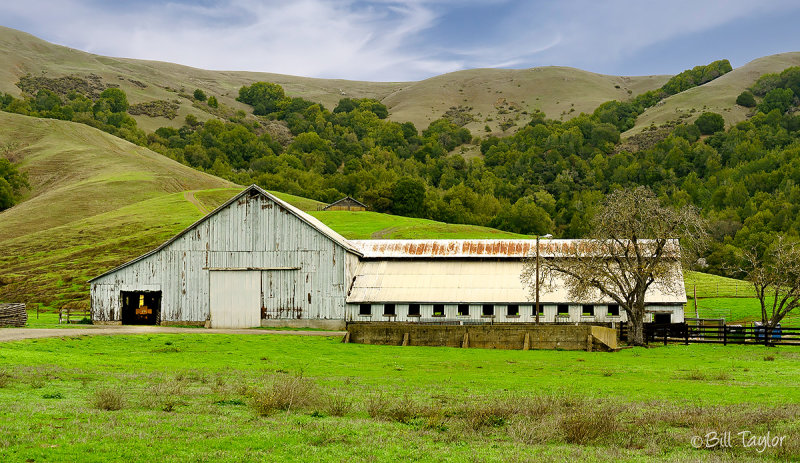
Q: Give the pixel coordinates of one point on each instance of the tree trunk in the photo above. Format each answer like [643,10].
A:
[636,327]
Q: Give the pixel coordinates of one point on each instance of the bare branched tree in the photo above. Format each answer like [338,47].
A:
[635,245]
[775,275]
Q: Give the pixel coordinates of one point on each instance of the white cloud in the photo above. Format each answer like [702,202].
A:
[370,40]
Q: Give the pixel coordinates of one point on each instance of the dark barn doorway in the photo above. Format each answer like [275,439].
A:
[662,318]
[141,307]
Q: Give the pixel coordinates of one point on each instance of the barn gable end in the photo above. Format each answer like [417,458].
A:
[298,265]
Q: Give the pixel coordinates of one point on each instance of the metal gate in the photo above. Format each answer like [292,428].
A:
[235,299]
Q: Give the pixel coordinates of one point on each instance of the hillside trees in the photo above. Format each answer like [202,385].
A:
[264,97]
[115,99]
[623,114]
[548,177]
[746,99]
[709,123]
[12,184]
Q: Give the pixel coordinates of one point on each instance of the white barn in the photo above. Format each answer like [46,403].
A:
[258,261]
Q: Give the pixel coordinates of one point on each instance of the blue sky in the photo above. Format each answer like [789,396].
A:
[390,40]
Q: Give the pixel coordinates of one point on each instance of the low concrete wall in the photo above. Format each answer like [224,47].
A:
[332,325]
[511,336]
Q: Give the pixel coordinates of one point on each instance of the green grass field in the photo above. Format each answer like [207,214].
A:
[720,297]
[373,225]
[210,397]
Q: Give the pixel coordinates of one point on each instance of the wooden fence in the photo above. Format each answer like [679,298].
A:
[716,334]
[73,315]
[13,315]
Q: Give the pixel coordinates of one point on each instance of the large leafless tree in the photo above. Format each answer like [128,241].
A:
[635,244]
[775,275]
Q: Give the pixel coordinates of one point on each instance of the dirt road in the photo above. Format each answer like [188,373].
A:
[16,334]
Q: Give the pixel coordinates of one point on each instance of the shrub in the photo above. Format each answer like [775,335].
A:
[5,379]
[780,99]
[586,425]
[709,123]
[338,403]
[282,392]
[375,404]
[199,95]
[492,414]
[746,99]
[107,398]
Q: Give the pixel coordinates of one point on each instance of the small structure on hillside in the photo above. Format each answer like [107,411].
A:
[346,204]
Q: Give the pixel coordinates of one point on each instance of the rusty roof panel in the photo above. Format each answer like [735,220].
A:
[461,249]
[446,248]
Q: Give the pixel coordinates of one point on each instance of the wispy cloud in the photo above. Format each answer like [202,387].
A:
[374,39]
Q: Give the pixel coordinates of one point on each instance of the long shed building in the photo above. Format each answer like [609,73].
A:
[258,261]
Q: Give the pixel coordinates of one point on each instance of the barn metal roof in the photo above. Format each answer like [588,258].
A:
[465,281]
[459,249]
[321,227]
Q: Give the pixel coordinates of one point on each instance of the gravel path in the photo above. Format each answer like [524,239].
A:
[16,334]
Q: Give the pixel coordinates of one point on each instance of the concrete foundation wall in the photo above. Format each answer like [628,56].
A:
[511,336]
[333,325]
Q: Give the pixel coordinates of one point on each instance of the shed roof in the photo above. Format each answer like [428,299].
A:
[312,221]
[346,198]
[468,281]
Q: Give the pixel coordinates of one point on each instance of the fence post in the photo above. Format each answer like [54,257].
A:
[686,334]
[724,335]
[666,331]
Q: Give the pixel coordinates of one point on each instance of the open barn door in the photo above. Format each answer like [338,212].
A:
[235,299]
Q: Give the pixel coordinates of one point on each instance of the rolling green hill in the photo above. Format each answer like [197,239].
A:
[717,96]
[493,94]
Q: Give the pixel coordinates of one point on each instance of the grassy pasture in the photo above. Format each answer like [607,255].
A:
[210,397]
[728,298]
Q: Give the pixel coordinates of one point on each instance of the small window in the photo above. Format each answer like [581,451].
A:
[613,310]
[365,309]
[588,310]
[463,310]
[488,310]
[438,310]
[413,310]
[563,309]
[513,310]
[541,310]
[388,309]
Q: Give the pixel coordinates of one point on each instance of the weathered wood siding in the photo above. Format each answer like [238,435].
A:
[252,232]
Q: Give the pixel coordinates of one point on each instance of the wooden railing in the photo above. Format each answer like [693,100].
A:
[73,315]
